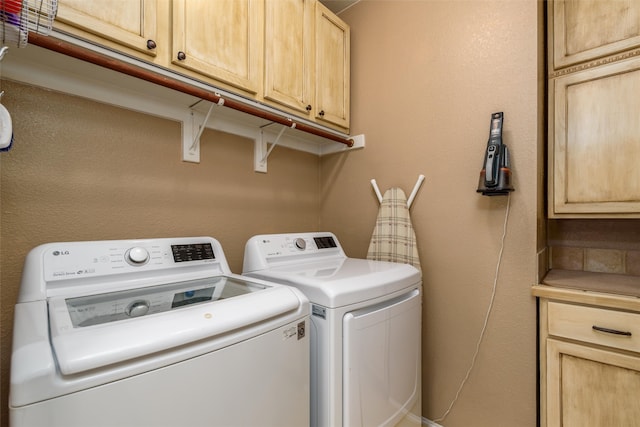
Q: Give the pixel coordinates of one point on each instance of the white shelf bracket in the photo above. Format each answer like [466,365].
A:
[261,153]
[191,143]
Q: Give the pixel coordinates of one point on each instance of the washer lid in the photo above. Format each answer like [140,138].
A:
[336,283]
[93,331]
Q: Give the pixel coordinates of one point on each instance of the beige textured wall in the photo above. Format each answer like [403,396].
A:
[80,170]
[426,75]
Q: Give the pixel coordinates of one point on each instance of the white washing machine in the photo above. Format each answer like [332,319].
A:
[365,327]
[155,333]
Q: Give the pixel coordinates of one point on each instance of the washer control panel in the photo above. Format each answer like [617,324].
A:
[77,260]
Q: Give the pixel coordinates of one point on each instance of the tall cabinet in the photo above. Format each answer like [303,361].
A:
[589,321]
[594,105]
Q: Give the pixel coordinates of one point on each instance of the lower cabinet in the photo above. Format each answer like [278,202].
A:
[591,387]
[589,361]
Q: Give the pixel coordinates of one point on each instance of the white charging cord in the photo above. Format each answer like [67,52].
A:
[486,318]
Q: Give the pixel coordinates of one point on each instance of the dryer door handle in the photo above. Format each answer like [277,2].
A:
[385,305]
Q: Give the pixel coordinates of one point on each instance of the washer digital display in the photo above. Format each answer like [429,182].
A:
[192,252]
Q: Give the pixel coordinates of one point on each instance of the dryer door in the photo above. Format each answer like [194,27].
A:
[381,376]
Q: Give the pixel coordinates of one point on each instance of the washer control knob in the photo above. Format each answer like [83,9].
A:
[300,243]
[137,308]
[137,256]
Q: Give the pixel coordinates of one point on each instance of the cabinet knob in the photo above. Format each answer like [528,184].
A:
[182,56]
[151,44]
[308,108]
[321,113]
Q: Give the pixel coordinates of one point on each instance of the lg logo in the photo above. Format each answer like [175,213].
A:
[56,253]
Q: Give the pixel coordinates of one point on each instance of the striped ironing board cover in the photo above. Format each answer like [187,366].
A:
[393,238]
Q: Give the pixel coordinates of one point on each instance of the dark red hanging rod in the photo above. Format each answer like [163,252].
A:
[88,55]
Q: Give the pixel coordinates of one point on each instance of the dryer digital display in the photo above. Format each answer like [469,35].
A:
[325,242]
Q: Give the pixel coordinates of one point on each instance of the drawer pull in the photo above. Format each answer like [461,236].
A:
[611,331]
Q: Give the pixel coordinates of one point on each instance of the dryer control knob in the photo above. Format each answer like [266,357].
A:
[137,256]
[300,243]
[137,308]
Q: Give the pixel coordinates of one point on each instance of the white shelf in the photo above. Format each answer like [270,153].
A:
[44,68]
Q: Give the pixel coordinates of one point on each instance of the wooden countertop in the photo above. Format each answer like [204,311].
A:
[599,282]
[612,290]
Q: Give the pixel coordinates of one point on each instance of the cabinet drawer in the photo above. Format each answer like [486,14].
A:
[595,325]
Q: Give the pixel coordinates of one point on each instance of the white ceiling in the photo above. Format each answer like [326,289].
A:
[337,6]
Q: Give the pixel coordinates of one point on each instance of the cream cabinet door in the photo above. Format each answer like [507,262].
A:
[333,38]
[289,60]
[595,142]
[132,23]
[221,39]
[593,387]
[583,30]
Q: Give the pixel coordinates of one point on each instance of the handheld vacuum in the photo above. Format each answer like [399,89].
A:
[495,176]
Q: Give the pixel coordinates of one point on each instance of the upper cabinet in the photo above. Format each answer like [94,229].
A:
[307,60]
[583,30]
[594,131]
[220,39]
[333,40]
[596,140]
[292,55]
[289,73]
[118,24]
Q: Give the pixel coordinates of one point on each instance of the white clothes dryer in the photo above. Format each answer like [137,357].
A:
[157,332]
[365,327]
